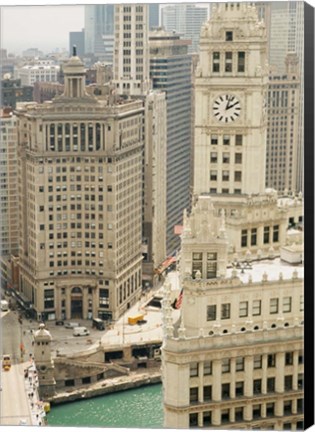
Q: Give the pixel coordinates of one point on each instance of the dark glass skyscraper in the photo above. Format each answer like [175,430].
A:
[99,22]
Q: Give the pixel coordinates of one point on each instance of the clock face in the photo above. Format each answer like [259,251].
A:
[226,108]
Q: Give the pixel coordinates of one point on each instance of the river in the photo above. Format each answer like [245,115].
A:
[137,408]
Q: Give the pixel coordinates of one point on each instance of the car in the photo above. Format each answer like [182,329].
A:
[59,323]
[71,325]
[140,322]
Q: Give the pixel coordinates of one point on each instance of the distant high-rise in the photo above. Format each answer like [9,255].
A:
[77,39]
[170,71]
[282,132]
[185,19]
[99,22]
[154,12]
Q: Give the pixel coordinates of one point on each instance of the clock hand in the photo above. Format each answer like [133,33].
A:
[231,106]
[227,105]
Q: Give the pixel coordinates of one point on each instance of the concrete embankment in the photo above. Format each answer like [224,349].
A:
[133,380]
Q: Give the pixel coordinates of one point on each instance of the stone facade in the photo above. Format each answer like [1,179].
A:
[80,183]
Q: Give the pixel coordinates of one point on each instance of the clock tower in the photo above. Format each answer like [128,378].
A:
[230,98]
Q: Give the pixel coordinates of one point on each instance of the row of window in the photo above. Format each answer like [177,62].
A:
[226,61]
[238,389]
[226,175]
[226,140]
[251,235]
[240,363]
[256,309]
[225,157]
[237,414]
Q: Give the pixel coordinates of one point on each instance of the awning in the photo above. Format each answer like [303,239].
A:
[165,264]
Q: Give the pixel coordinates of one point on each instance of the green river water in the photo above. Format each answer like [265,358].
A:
[137,408]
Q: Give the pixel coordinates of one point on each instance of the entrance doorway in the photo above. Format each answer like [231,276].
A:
[76,303]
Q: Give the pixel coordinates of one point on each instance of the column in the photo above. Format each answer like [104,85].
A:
[58,302]
[294,406]
[94,301]
[260,237]
[216,373]
[201,383]
[280,373]
[68,303]
[248,412]
[233,380]
[295,369]
[216,416]
[279,408]
[85,302]
[248,385]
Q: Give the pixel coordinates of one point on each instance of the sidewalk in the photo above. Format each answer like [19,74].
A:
[31,388]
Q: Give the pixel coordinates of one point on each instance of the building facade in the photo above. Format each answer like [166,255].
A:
[283,141]
[234,358]
[43,70]
[170,71]
[80,202]
[77,39]
[131,79]
[12,92]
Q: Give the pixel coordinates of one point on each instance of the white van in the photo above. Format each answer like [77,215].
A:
[70,325]
[80,331]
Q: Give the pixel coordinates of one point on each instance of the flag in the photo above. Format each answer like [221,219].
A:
[179,300]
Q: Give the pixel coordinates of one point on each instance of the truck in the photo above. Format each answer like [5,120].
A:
[98,324]
[80,331]
[6,362]
[4,305]
[132,320]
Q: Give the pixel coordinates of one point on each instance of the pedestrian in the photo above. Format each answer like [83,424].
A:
[37,416]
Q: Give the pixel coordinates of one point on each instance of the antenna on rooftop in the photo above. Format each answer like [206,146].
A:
[74,52]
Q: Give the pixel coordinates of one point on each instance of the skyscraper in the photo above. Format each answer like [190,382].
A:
[77,39]
[132,79]
[185,19]
[170,71]
[283,128]
[99,22]
[80,198]
[154,12]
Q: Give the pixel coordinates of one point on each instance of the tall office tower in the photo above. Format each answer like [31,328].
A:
[234,357]
[185,19]
[77,39]
[154,14]
[8,184]
[131,49]
[80,197]
[132,79]
[230,126]
[99,22]
[169,60]
[282,132]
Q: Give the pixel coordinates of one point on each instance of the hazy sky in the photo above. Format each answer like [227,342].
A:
[43,27]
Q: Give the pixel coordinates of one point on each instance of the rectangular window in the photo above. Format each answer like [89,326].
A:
[271,360]
[226,140]
[225,391]
[213,175]
[266,235]
[214,139]
[207,368]
[193,394]
[274,305]
[211,265]
[211,313]
[238,140]
[49,299]
[244,238]
[226,365]
[194,369]
[301,303]
[253,237]
[207,393]
[271,385]
[257,362]
[288,382]
[256,308]
[257,386]
[270,409]
[238,158]
[238,176]
[289,358]
[243,312]
[225,416]
[256,411]
[193,419]
[225,176]
[216,62]
[239,389]
[286,304]
[241,61]
[226,158]
[228,61]
[239,364]
[229,36]
[196,263]
[214,157]
[275,236]
[226,311]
